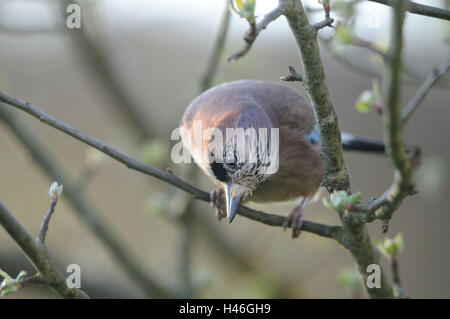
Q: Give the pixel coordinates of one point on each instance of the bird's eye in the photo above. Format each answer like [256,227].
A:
[231,165]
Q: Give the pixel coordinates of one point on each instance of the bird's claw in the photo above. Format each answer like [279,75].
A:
[294,220]
[217,198]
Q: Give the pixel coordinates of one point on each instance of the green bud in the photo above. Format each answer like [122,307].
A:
[5,275]
[355,198]
[365,102]
[339,200]
[390,247]
[244,8]
[21,275]
[10,285]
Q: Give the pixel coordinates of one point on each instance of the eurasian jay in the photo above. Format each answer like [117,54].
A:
[250,104]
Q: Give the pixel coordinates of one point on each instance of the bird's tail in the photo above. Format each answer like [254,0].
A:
[351,142]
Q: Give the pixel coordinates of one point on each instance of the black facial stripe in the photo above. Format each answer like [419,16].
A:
[219,171]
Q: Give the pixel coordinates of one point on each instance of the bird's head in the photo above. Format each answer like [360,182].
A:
[240,168]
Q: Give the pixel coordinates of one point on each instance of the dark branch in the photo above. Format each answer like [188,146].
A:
[255,29]
[416,8]
[217,50]
[424,89]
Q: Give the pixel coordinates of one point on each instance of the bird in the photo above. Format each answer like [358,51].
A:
[285,166]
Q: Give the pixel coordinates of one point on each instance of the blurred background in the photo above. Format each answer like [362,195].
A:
[126,78]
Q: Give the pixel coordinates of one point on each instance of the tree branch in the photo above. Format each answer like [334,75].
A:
[217,51]
[416,8]
[393,261]
[353,237]
[38,256]
[336,176]
[395,150]
[268,219]
[255,29]
[327,22]
[431,79]
[46,221]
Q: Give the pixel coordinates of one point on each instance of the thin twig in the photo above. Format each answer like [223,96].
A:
[413,7]
[398,289]
[431,79]
[254,31]
[293,76]
[268,219]
[46,221]
[327,22]
[217,50]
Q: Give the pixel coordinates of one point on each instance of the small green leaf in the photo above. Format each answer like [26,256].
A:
[355,198]
[5,275]
[10,285]
[390,247]
[339,200]
[21,275]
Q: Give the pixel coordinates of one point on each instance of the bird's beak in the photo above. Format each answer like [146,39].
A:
[232,202]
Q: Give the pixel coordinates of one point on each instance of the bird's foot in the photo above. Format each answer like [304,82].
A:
[294,219]
[217,198]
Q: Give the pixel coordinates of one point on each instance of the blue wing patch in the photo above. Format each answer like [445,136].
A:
[314,136]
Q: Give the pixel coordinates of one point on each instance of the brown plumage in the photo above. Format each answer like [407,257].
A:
[257,104]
